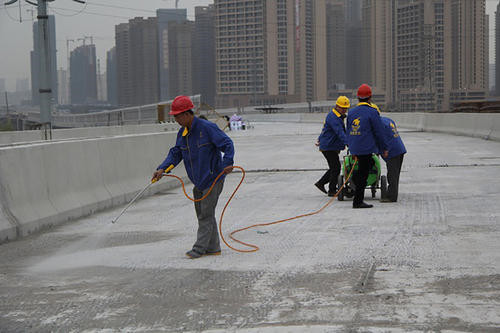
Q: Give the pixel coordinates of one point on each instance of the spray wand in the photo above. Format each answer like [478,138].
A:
[154,180]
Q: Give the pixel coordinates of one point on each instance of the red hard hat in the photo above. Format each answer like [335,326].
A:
[181,104]
[364,91]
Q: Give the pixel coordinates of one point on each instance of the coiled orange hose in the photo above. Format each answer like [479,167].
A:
[253,248]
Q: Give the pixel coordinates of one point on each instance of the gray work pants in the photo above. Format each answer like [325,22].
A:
[207,239]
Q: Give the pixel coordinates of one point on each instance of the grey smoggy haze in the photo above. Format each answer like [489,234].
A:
[97,18]
[73,20]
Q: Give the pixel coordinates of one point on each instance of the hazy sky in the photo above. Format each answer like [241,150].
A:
[73,20]
[97,18]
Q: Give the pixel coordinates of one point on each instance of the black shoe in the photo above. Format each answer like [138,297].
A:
[362,205]
[320,187]
[332,191]
[193,254]
[387,200]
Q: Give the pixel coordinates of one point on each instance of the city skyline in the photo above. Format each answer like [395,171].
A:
[75,21]
[385,88]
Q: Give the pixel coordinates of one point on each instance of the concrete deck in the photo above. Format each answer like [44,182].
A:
[430,262]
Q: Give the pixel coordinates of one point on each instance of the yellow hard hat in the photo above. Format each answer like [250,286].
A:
[343,102]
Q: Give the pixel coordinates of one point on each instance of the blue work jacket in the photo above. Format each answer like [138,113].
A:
[201,148]
[394,143]
[332,135]
[365,130]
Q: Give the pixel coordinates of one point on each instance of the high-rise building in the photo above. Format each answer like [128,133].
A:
[353,44]
[102,93]
[111,77]
[270,52]
[165,16]
[336,46]
[492,79]
[378,40]
[123,67]
[144,60]
[424,55]
[420,83]
[62,81]
[180,51]
[2,85]
[204,54]
[469,49]
[83,76]
[35,62]
[497,50]
[137,62]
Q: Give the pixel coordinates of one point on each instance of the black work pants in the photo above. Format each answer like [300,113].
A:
[360,177]
[332,174]
[393,170]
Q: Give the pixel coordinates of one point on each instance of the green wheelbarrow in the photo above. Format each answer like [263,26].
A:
[375,180]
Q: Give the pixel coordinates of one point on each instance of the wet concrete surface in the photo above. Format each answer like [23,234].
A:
[430,262]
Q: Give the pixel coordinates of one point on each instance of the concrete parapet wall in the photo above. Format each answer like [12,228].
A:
[286,117]
[481,125]
[13,137]
[45,184]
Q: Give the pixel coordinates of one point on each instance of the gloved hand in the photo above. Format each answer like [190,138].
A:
[228,169]
[157,175]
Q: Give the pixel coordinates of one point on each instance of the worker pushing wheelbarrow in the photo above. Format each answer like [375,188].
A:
[375,180]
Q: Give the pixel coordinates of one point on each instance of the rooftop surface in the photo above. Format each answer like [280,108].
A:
[428,262]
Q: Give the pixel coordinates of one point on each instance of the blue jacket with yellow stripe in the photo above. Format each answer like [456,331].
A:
[332,135]
[395,144]
[201,148]
[365,130]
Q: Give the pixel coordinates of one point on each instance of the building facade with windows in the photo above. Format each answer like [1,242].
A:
[270,52]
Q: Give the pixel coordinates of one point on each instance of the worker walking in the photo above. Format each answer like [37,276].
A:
[200,144]
[394,160]
[331,141]
[366,136]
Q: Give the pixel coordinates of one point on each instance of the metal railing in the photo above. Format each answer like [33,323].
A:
[143,114]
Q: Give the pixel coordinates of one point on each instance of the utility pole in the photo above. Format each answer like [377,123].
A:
[99,82]
[44,61]
[68,71]
[45,89]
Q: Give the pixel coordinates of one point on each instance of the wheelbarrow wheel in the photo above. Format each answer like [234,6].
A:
[383,187]
[340,182]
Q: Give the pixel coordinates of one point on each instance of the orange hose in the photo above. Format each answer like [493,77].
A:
[254,248]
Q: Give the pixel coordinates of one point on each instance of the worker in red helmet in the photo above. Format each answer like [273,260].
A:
[207,151]
[365,137]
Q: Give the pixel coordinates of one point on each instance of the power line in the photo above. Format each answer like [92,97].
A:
[121,7]
[74,14]
[90,13]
